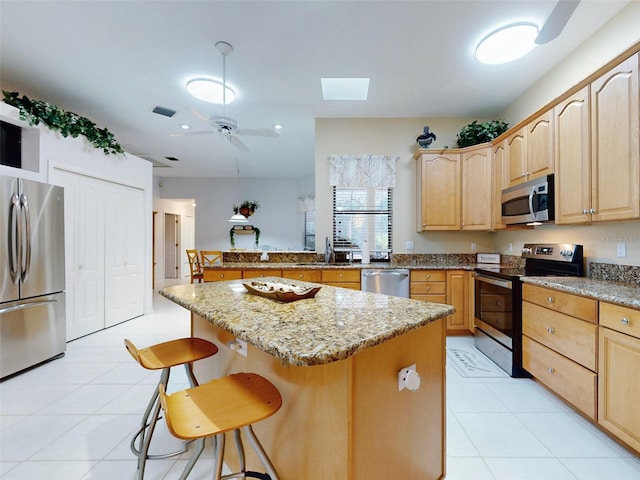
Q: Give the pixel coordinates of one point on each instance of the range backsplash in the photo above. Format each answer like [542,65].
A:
[628,274]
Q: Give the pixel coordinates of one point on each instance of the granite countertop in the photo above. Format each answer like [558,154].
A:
[332,326]
[332,266]
[614,292]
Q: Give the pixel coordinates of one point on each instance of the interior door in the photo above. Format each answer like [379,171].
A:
[171,256]
[84,251]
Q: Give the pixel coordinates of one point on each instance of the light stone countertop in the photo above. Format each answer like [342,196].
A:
[332,326]
[620,293]
[331,266]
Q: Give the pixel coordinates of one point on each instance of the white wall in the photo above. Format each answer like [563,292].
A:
[280,222]
[390,136]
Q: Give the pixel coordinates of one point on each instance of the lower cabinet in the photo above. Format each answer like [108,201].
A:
[619,373]
[310,275]
[559,347]
[221,274]
[444,286]
[260,273]
[342,278]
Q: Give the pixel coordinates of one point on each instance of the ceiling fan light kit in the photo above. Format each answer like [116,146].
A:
[211,91]
[507,44]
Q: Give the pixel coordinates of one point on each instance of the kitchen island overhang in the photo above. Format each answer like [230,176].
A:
[335,359]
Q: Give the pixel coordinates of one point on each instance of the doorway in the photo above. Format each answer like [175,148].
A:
[171,245]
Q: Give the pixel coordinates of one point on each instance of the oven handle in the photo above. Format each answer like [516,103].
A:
[493,281]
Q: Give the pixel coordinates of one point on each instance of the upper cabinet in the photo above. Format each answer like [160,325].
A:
[615,143]
[438,190]
[454,189]
[499,183]
[597,149]
[476,187]
[529,150]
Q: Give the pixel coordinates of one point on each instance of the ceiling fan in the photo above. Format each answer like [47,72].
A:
[557,20]
[226,126]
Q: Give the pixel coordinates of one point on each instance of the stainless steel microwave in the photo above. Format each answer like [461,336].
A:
[529,202]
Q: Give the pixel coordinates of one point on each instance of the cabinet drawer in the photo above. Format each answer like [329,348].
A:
[574,305]
[351,285]
[429,298]
[619,318]
[574,383]
[432,288]
[569,336]
[340,276]
[260,273]
[216,275]
[306,275]
[427,276]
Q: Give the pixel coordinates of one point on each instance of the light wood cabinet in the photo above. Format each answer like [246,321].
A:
[438,190]
[260,273]
[619,372]
[309,275]
[428,285]
[559,339]
[457,295]
[476,188]
[499,183]
[540,152]
[572,154]
[615,143]
[515,149]
[221,274]
[598,149]
[342,278]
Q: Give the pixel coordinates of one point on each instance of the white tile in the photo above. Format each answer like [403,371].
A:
[603,468]
[29,399]
[126,470]
[473,397]
[528,469]
[58,470]
[132,401]
[462,468]
[458,442]
[526,396]
[91,439]
[570,435]
[501,435]
[20,441]
[86,399]
[162,442]
[6,467]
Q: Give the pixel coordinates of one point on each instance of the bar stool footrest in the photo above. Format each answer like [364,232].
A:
[261,476]
[156,456]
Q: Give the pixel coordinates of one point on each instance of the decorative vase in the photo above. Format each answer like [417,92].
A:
[426,138]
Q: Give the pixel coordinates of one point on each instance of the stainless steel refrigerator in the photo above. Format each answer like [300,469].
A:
[32,283]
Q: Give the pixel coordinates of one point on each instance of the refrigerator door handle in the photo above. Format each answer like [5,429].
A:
[15,246]
[22,306]
[26,267]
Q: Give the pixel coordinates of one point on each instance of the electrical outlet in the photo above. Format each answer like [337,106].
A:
[409,245]
[622,249]
[510,248]
[239,346]
[473,246]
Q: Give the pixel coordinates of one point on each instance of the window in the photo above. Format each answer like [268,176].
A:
[363,213]
[310,231]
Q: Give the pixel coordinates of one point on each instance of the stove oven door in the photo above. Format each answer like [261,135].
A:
[494,307]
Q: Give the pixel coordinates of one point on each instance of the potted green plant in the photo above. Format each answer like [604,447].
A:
[482,132]
[246,208]
[66,123]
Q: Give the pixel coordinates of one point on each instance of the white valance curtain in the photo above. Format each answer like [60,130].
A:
[363,171]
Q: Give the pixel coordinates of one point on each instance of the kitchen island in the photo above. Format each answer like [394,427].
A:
[335,359]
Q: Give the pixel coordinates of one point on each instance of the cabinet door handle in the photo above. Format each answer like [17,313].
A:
[592,210]
[550,300]
[625,321]
[585,211]
[550,330]
[550,370]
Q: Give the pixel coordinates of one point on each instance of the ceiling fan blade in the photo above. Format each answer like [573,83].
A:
[236,142]
[201,116]
[258,132]
[556,22]
[186,134]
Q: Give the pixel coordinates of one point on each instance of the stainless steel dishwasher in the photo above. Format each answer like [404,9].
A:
[388,281]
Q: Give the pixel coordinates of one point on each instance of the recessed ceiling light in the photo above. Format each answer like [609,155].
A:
[209,90]
[507,43]
[278,126]
[184,126]
[345,88]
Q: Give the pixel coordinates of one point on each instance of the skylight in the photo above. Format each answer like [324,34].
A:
[345,88]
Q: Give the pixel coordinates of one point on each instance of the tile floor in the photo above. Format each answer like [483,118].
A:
[72,419]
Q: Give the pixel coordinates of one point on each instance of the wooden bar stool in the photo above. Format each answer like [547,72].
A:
[163,356]
[231,403]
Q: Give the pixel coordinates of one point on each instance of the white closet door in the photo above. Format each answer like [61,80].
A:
[124,253]
[84,252]
[187,235]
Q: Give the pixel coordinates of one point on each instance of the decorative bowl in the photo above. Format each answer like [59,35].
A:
[283,292]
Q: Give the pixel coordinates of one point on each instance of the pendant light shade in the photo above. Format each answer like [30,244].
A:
[238,218]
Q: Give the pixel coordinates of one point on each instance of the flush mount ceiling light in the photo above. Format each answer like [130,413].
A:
[345,88]
[507,43]
[211,91]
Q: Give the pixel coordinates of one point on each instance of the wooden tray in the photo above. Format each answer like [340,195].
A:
[283,292]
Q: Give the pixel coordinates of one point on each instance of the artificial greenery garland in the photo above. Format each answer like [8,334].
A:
[476,133]
[233,240]
[67,123]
